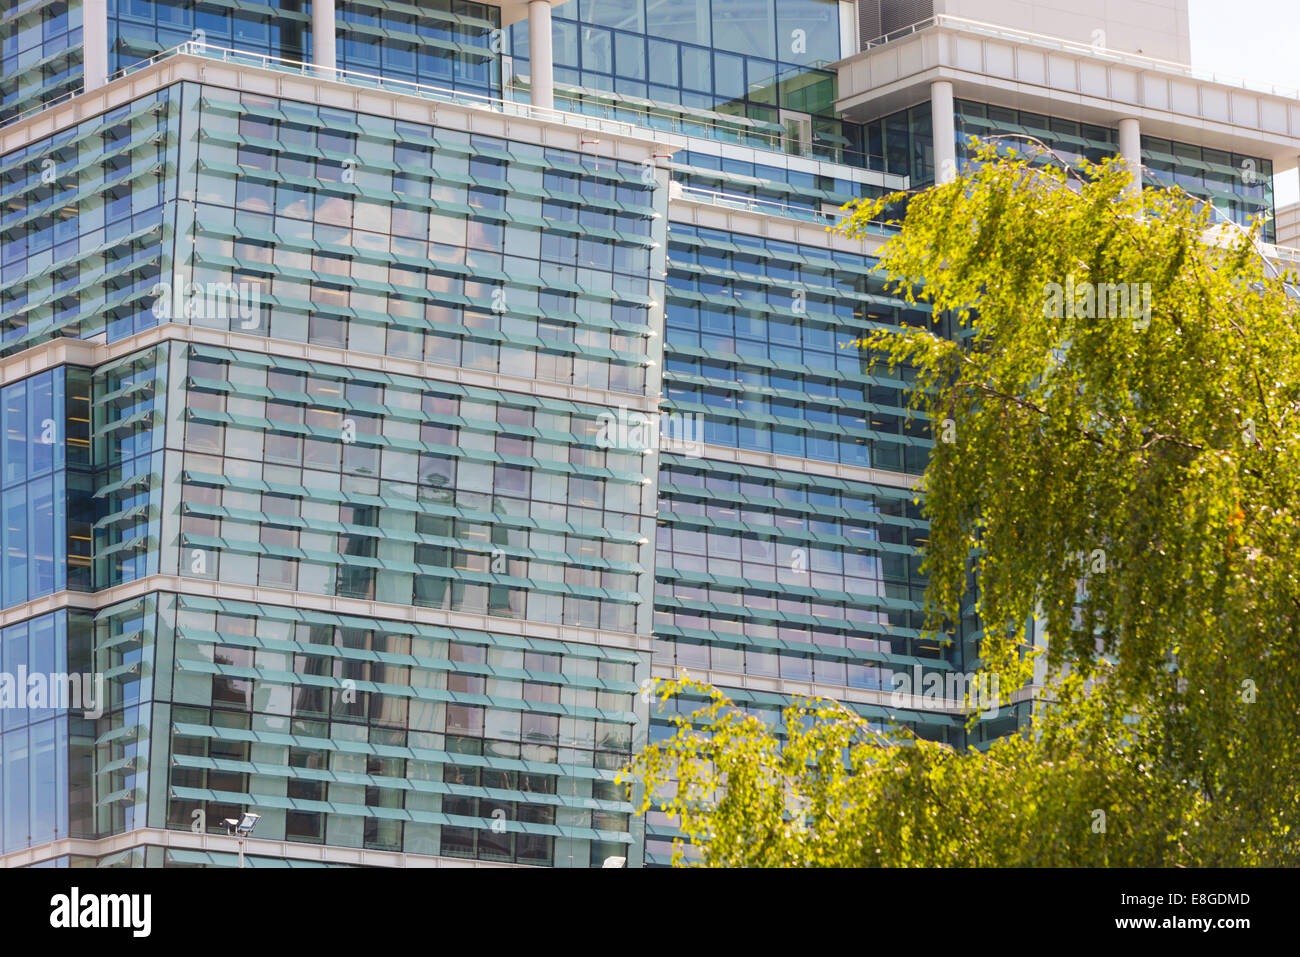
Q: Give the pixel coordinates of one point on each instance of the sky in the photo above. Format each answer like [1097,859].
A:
[1255,39]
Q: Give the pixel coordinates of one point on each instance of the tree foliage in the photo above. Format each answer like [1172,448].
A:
[826,789]
[1167,442]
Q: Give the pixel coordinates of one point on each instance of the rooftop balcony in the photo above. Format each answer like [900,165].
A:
[1071,80]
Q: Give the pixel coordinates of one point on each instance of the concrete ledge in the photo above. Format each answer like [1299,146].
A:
[787,463]
[219,843]
[361,608]
[95,353]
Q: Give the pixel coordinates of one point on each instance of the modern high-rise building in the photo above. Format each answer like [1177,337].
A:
[389,391]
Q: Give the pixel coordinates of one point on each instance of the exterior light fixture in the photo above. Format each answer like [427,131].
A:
[240,828]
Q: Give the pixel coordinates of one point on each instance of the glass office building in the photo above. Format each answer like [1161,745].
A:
[333,337]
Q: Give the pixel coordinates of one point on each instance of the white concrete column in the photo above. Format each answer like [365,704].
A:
[541,57]
[1130,148]
[945,132]
[94,43]
[323,53]
[849,39]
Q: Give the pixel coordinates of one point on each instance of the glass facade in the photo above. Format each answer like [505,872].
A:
[1239,187]
[366,733]
[1071,140]
[130,396]
[45,751]
[796,191]
[449,497]
[447,43]
[758,341]
[138,29]
[418,493]
[364,233]
[45,485]
[791,576]
[747,71]
[81,244]
[794,577]
[441,43]
[40,53]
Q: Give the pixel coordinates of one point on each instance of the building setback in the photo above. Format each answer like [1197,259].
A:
[389,392]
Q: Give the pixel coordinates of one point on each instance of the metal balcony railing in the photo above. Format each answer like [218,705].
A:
[765,207]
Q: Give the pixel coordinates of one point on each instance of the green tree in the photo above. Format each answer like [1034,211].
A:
[1122,468]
